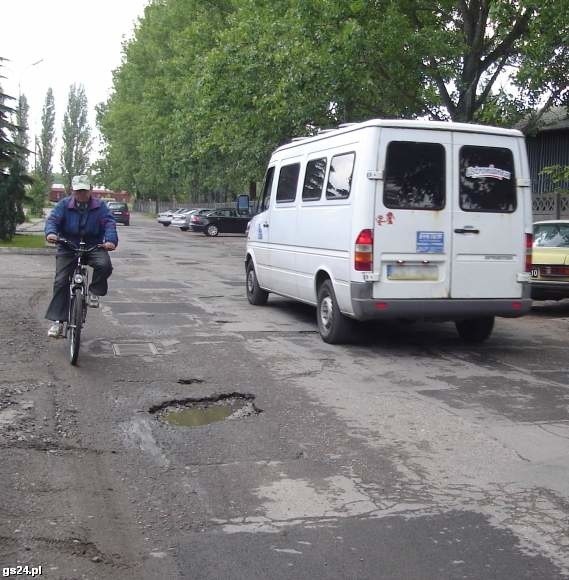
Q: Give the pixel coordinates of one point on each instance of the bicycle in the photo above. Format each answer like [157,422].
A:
[78,293]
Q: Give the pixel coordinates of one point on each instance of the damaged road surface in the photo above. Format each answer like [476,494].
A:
[202,437]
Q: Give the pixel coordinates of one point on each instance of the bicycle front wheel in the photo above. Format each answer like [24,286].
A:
[75,324]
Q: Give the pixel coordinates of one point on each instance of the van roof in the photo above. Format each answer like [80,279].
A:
[403,124]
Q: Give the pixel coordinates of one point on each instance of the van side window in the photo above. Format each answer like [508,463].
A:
[288,181]
[414,176]
[340,177]
[267,187]
[314,179]
[487,179]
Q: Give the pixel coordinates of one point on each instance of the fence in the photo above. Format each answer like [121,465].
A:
[550,206]
[546,206]
[152,206]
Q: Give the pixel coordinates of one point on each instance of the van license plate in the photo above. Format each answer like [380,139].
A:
[429,273]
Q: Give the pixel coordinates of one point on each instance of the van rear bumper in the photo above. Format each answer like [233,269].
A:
[367,308]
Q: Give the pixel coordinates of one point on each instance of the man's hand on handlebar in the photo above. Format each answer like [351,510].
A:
[54,239]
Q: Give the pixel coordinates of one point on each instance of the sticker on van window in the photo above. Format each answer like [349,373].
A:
[477,172]
[430,243]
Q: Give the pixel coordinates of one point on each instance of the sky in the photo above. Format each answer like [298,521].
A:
[55,43]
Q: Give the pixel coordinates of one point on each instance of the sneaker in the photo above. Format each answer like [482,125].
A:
[93,301]
[55,330]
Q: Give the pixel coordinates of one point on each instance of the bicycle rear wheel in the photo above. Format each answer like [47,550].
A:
[75,324]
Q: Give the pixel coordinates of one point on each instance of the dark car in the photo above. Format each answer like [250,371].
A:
[197,220]
[222,220]
[120,212]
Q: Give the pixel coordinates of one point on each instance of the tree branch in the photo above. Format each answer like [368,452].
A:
[441,86]
[505,47]
[484,94]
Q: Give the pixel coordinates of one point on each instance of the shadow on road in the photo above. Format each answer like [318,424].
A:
[551,308]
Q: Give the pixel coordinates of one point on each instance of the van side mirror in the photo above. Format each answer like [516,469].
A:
[242,204]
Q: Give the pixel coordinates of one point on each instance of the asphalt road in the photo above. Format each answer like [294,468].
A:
[407,455]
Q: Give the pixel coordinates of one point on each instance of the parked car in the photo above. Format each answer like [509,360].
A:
[222,220]
[165,218]
[550,260]
[181,219]
[120,212]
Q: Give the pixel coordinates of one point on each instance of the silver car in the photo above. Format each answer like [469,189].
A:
[165,218]
[182,219]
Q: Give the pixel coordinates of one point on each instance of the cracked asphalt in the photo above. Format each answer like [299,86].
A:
[407,455]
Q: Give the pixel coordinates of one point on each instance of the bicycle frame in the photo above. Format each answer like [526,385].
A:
[79,281]
[78,288]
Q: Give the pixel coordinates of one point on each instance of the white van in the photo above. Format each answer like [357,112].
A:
[396,219]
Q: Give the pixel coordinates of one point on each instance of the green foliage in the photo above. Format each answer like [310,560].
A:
[12,173]
[37,195]
[76,136]
[559,175]
[20,134]
[207,89]
[46,142]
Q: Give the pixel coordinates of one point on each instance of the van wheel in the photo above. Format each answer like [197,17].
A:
[334,327]
[475,330]
[212,230]
[255,294]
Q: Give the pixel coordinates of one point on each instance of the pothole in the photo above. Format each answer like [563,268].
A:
[190,381]
[206,410]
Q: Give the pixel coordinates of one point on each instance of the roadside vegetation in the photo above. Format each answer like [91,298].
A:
[24,241]
[207,89]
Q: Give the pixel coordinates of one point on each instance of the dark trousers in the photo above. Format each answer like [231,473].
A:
[99,260]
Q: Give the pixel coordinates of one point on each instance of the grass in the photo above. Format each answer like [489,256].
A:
[24,241]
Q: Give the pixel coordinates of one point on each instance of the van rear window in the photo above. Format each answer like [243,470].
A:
[487,179]
[414,176]
[288,181]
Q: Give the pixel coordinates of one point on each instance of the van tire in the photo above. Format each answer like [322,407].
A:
[255,294]
[475,330]
[334,327]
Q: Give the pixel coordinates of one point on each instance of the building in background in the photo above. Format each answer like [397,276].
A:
[58,192]
[548,145]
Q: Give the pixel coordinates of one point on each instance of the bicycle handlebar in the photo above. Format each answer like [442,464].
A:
[73,247]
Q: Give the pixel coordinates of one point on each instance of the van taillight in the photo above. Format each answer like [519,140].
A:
[363,255]
[529,245]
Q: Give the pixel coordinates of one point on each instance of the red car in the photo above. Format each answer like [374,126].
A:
[120,212]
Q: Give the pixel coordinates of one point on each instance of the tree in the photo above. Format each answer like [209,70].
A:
[485,59]
[13,178]
[20,136]
[76,136]
[46,142]
[207,89]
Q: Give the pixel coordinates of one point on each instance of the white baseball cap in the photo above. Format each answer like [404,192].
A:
[80,182]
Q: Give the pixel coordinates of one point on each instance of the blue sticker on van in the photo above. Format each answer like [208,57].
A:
[430,242]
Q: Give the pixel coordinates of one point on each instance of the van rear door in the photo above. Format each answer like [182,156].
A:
[412,221]
[488,218]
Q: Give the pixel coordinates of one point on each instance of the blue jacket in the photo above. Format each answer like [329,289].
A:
[98,225]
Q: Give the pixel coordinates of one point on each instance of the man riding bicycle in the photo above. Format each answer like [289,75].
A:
[79,216]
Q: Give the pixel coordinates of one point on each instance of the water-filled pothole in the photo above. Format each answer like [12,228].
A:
[206,410]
